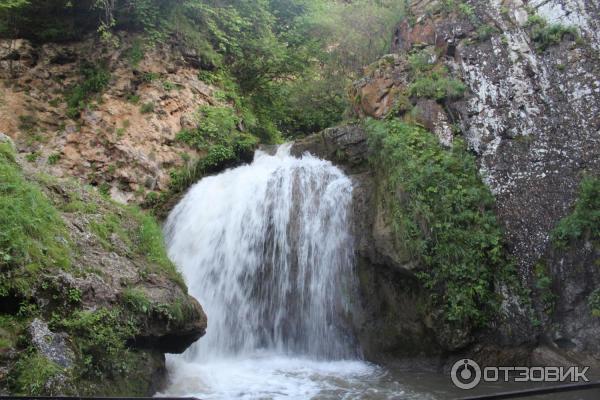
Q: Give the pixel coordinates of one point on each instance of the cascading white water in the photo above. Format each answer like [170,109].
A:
[266,249]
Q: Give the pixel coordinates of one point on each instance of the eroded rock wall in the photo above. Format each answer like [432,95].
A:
[114,142]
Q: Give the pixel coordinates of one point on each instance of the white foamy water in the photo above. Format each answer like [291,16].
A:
[266,249]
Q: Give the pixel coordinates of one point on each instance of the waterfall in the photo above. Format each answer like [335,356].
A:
[266,249]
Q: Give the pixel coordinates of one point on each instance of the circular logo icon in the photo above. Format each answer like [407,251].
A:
[465,374]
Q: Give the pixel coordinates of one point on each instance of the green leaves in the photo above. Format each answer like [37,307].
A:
[32,234]
[441,215]
[584,221]
[95,79]
[545,35]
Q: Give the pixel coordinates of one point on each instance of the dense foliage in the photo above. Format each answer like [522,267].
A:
[584,221]
[441,215]
[285,63]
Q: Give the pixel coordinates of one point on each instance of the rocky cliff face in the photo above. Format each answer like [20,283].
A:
[106,116]
[530,114]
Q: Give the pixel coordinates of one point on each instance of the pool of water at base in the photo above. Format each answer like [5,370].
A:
[275,377]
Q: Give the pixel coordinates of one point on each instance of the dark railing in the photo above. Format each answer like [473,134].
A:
[535,392]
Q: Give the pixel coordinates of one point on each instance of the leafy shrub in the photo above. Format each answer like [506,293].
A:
[32,157]
[31,373]
[95,80]
[441,215]
[147,108]
[543,286]
[216,125]
[431,80]
[101,337]
[584,221]
[486,31]
[53,158]
[168,85]
[27,123]
[133,98]
[545,35]
[437,86]
[136,53]
[137,300]
[150,76]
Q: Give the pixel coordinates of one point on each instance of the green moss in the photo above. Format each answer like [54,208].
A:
[32,235]
[486,31]
[10,330]
[441,215]
[27,123]
[584,221]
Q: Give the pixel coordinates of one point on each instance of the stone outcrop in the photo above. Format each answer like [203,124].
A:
[52,345]
[113,142]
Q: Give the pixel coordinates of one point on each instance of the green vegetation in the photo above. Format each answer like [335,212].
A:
[545,35]
[287,63]
[543,286]
[437,85]
[432,80]
[216,125]
[594,303]
[53,158]
[147,108]
[101,337]
[217,132]
[141,235]
[584,221]
[136,53]
[486,31]
[27,123]
[148,241]
[137,301]
[32,234]
[442,216]
[31,373]
[95,79]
